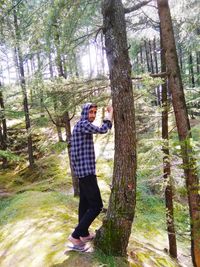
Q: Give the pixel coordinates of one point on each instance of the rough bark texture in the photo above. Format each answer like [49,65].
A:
[183,125]
[166,164]
[113,236]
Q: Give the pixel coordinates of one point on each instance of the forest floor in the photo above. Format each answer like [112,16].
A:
[38,212]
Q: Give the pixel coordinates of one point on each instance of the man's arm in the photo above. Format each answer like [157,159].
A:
[88,127]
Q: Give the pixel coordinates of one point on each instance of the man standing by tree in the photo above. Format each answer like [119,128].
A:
[83,162]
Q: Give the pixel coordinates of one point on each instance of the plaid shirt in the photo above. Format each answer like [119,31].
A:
[82,146]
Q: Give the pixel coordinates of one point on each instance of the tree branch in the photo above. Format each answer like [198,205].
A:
[153,75]
[13,7]
[136,7]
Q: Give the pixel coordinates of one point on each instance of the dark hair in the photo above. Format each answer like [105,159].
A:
[93,106]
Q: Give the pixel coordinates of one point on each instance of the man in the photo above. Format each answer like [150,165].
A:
[83,162]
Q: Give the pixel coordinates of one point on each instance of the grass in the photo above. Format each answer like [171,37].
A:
[42,214]
[36,220]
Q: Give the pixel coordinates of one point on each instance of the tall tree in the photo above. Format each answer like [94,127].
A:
[183,126]
[3,128]
[20,64]
[166,163]
[113,236]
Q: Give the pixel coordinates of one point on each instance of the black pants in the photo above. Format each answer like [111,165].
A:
[90,205]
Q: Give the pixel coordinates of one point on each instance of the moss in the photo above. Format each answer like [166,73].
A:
[109,238]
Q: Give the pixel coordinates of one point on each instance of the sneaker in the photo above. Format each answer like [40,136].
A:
[76,241]
[81,248]
[88,238]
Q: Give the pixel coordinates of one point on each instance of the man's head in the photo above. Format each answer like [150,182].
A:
[89,111]
[92,113]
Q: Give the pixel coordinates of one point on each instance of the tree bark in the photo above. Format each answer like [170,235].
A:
[147,56]
[191,70]
[3,130]
[23,86]
[156,70]
[113,236]
[183,126]
[198,67]
[40,83]
[68,138]
[166,164]
[141,58]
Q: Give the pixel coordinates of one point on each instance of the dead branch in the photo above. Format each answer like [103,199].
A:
[136,7]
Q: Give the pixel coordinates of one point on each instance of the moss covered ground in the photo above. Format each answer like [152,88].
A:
[40,212]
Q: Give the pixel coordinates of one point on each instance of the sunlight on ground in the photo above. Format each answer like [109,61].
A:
[37,236]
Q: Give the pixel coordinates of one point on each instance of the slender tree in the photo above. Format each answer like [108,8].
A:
[3,128]
[183,126]
[20,67]
[166,164]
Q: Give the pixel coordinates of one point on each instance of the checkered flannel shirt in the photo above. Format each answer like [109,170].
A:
[82,147]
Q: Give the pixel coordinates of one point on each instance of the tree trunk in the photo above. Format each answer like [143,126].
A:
[166,164]
[68,132]
[141,58]
[180,57]
[191,70]
[3,130]
[113,236]
[23,86]
[68,138]
[156,71]
[151,57]
[183,126]
[40,84]
[50,65]
[198,67]
[102,55]
[147,56]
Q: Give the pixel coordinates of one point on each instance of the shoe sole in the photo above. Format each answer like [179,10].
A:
[79,249]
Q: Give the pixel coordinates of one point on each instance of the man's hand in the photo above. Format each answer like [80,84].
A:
[109,113]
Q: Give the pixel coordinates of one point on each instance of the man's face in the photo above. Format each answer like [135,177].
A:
[92,114]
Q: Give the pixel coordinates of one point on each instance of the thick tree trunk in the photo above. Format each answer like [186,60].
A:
[166,164]
[183,126]
[113,236]
[24,92]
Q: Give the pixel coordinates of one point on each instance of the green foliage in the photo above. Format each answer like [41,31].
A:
[40,122]
[58,147]
[10,155]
